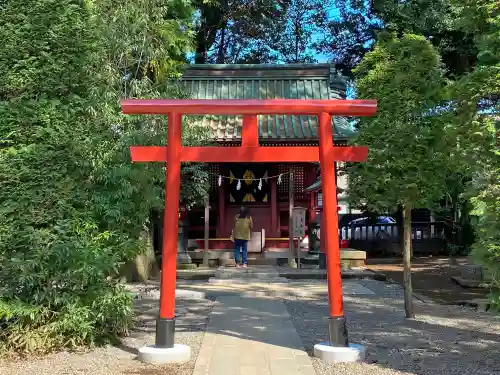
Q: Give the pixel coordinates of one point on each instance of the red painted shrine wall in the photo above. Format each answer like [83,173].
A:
[262,213]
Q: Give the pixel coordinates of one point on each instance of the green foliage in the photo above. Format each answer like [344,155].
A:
[291,41]
[269,31]
[407,151]
[350,36]
[54,259]
[72,206]
[478,132]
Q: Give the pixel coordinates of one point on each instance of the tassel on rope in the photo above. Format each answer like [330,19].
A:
[279,179]
[220,180]
[260,184]
[238,185]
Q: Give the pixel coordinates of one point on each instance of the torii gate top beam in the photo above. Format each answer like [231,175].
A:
[250,107]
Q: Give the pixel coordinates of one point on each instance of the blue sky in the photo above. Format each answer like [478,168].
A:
[333,14]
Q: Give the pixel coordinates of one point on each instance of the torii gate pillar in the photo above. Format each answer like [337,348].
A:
[249,151]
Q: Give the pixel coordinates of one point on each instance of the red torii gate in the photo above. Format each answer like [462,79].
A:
[249,151]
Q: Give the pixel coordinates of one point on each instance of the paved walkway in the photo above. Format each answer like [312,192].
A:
[251,336]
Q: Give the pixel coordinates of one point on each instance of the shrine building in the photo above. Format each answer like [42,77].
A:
[259,186]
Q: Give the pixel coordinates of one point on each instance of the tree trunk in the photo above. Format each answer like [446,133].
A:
[212,20]
[146,261]
[297,42]
[144,266]
[407,261]
[400,226]
[201,48]
[221,53]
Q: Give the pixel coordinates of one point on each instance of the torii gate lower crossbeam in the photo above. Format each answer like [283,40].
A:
[249,151]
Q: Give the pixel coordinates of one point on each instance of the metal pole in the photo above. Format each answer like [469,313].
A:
[298,251]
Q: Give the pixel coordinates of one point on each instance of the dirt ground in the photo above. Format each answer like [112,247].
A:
[431,277]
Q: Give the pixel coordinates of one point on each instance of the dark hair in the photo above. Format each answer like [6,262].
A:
[243,212]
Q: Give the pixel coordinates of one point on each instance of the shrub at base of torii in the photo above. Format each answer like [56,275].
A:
[407,159]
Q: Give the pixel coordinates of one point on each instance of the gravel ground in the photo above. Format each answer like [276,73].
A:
[191,320]
[441,340]
[431,277]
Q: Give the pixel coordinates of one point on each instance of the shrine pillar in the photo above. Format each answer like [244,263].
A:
[275,231]
[221,220]
[337,328]
[165,325]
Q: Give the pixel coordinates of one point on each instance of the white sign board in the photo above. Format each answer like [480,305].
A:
[299,222]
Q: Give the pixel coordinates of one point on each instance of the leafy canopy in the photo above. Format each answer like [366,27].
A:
[478,130]
[407,151]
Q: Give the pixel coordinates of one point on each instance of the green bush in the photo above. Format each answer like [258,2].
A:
[55,259]
[72,206]
[486,250]
[478,131]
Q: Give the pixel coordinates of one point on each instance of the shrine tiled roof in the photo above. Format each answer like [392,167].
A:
[316,186]
[295,81]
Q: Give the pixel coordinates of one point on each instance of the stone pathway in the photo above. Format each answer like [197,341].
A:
[248,335]
[264,281]
[250,331]
[251,336]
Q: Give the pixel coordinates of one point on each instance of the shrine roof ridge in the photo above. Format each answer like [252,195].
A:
[258,72]
[260,66]
[249,107]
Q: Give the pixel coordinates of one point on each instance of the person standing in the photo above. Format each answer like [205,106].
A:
[241,235]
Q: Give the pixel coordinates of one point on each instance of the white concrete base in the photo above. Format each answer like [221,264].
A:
[335,354]
[151,354]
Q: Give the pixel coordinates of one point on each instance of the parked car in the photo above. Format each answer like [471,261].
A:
[364,228]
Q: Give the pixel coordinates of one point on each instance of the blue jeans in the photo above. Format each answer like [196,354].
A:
[243,245]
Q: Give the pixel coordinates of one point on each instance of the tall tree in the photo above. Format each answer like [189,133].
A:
[351,35]
[348,36]
[292,40]
[408,155]
[477,129]
[436,21]
[226,29]
[54,258]
[144,60]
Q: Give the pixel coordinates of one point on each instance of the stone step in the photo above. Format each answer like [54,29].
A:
[245,275]
[279,293]
[246,272]
[265,268]
[229,281]
[467,283]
